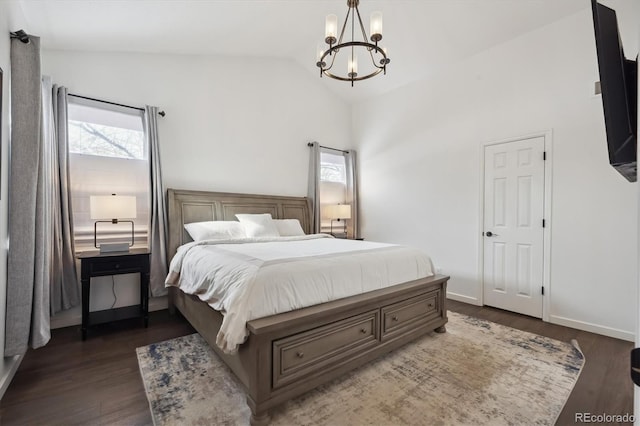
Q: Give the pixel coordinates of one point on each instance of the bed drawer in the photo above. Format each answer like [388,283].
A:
[317,349]
[401,316]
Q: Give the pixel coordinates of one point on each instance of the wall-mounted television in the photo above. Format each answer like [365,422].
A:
[618,83]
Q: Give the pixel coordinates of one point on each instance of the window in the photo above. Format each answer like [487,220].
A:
[333,184]
[332,168]
[107,155]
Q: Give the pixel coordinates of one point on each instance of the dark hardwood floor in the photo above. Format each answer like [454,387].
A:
[91,382]
[97,382]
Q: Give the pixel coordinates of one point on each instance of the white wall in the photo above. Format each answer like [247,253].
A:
[232,124]
[420,146]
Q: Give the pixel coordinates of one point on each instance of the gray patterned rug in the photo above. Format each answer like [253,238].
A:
[478,372]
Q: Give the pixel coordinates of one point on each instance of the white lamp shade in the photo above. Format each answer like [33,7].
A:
[375,26]
[338,211]
[331,26]
[112,207]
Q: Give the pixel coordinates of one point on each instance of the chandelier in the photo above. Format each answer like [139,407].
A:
[326,58]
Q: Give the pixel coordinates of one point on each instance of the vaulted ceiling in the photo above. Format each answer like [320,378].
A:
[422,35]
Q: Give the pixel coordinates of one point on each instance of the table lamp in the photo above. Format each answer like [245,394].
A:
[338,212]
[112,209]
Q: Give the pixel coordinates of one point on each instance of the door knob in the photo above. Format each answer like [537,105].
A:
[490,234]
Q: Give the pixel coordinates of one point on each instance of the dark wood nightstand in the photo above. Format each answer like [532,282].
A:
[95,264]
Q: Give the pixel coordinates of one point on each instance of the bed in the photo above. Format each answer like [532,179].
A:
[288,354]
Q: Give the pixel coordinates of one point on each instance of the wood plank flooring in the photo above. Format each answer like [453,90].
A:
[97,382]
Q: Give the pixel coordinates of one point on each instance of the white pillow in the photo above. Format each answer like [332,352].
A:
[289,227]
[258,225]
[215,230]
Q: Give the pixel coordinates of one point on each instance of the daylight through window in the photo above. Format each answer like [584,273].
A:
[107,155]
[332,168]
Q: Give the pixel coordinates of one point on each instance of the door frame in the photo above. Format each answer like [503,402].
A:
[547,136]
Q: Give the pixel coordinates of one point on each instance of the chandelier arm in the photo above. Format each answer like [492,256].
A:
[344,26]
[364,77]
[373,60]
[336,47]
[333,59]
[364,33]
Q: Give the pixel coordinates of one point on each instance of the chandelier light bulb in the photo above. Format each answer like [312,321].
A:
[375,26]
[352,67]
[331,29]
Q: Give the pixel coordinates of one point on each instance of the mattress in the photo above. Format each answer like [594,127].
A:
[253,278]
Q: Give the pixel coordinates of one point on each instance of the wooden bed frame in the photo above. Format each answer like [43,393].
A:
[289,354]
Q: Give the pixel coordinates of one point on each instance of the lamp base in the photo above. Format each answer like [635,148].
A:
[113,247]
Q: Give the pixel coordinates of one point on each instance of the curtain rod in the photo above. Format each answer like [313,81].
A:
[332,149]
[20,35]
[161,113]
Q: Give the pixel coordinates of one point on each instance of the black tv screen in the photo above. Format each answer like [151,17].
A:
[618,83]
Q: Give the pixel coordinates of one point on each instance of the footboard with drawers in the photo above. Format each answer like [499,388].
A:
[288,354]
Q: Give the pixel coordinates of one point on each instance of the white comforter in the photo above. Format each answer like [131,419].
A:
[254,278]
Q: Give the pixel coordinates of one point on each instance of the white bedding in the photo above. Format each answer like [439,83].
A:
[254,278]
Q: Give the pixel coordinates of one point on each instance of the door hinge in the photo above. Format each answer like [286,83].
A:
[544,223]
[544,155]
[543,290]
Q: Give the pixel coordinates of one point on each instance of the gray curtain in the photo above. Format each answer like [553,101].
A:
[313,192]
[158,227]
[27,318]
[353,228]
[65,292]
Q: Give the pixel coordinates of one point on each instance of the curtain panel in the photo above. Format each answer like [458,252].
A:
[65,291]
[27,318]
[313,192]
[158,227]
[353,225]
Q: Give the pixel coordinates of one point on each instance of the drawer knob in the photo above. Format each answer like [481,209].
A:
[395,318]
[363,330]
[431,305]
[117,266]
[300,354]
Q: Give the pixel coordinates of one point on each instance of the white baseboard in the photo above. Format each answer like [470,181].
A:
[464,299]
[593,328]
[9,367]
[73,316]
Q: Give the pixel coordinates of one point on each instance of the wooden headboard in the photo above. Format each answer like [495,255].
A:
[199,206]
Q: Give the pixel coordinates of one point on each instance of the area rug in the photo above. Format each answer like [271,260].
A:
[476,373]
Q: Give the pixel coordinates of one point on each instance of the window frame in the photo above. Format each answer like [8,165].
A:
[83,235]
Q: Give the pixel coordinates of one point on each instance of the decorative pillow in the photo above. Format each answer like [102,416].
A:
[215,230]
[258,225]
[289,227]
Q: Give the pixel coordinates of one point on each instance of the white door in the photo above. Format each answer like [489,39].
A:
[513,225]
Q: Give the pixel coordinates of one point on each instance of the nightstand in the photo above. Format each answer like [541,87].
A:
[95,264]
